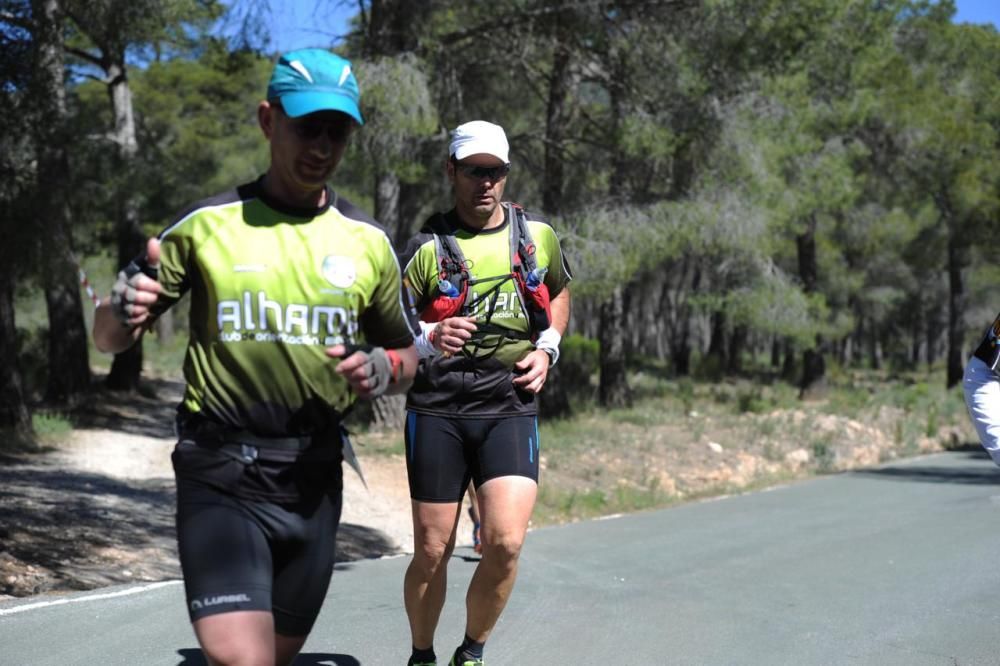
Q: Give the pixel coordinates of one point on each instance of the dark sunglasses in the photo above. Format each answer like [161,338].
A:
[479,172]
[310,129]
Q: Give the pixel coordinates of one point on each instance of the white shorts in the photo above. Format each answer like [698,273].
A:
[982,396]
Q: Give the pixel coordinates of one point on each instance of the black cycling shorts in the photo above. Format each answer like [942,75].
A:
[443,454]
[242,553]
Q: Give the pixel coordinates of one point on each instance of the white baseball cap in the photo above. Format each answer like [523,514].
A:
[479,137]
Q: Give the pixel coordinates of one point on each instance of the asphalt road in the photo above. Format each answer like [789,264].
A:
[894,565]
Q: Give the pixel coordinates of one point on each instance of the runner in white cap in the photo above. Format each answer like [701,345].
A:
[491,285]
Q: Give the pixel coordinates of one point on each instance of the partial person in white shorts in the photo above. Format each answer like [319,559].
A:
[982,390]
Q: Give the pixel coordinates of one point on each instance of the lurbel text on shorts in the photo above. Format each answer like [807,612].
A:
[220,599]
[255,312]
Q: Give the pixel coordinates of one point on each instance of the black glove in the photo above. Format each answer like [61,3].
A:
[381,366]
[124,290]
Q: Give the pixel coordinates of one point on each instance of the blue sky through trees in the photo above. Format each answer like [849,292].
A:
[303,23]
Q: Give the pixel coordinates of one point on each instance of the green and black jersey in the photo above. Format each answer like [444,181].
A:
[271,288]
[478,382]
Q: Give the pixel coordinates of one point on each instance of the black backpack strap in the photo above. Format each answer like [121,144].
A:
[449,255]
[521,243]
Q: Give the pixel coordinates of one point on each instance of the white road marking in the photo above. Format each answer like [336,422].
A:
[89,597]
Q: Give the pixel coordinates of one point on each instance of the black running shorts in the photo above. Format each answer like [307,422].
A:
[443,454]
[240,553]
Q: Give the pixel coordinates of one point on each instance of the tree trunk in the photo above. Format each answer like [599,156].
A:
[388,33]
[126,368]
[69,364]
[958,260]
[680,332]
[412,198]
[387,190]
[932,334]
[614,390]
[813,365]
[388,412]
[788,365]
[557,113]
[553,401]
[14,414]
[874,350]
[737,343]
[716,354]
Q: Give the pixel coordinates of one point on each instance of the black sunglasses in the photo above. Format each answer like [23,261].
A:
[310,129]
[479,172]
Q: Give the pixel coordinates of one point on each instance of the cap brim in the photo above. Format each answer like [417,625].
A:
[468,151]
[303,103]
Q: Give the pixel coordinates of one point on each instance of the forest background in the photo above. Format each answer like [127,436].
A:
[767,204]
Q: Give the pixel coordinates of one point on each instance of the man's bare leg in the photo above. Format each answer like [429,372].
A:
[245,638]
[505,506]
[426,579]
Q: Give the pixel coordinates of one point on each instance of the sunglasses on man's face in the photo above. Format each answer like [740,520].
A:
[480,172]
[309,128]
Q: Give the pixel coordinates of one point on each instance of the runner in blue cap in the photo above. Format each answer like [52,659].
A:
[296,308]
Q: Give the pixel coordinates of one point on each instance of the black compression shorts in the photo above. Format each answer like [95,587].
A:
[240,553]
[442,453]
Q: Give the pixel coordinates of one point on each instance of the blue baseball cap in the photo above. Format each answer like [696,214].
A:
[310,80]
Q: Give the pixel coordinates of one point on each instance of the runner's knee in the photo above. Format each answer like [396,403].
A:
[429,554]
[502,550]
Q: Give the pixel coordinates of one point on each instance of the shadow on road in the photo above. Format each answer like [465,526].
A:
[193,657]
[71,530]
[983,472]
[357,542]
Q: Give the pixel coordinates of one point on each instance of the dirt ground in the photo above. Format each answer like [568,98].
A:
[97,507]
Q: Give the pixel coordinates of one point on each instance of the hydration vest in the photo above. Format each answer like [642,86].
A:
[988,350]
[454,279]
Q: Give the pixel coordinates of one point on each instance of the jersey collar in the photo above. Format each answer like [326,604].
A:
[294,211]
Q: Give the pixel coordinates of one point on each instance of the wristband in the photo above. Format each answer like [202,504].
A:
[395,366]
[548,341]
[425,341]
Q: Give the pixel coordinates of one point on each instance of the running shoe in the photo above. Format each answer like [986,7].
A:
[466,662]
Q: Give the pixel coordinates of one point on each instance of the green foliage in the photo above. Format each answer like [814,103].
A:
[697,142]
[198,129]
[51,425]
[398,110]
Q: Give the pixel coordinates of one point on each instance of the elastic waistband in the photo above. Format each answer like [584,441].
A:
[202,429]
[248,453]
